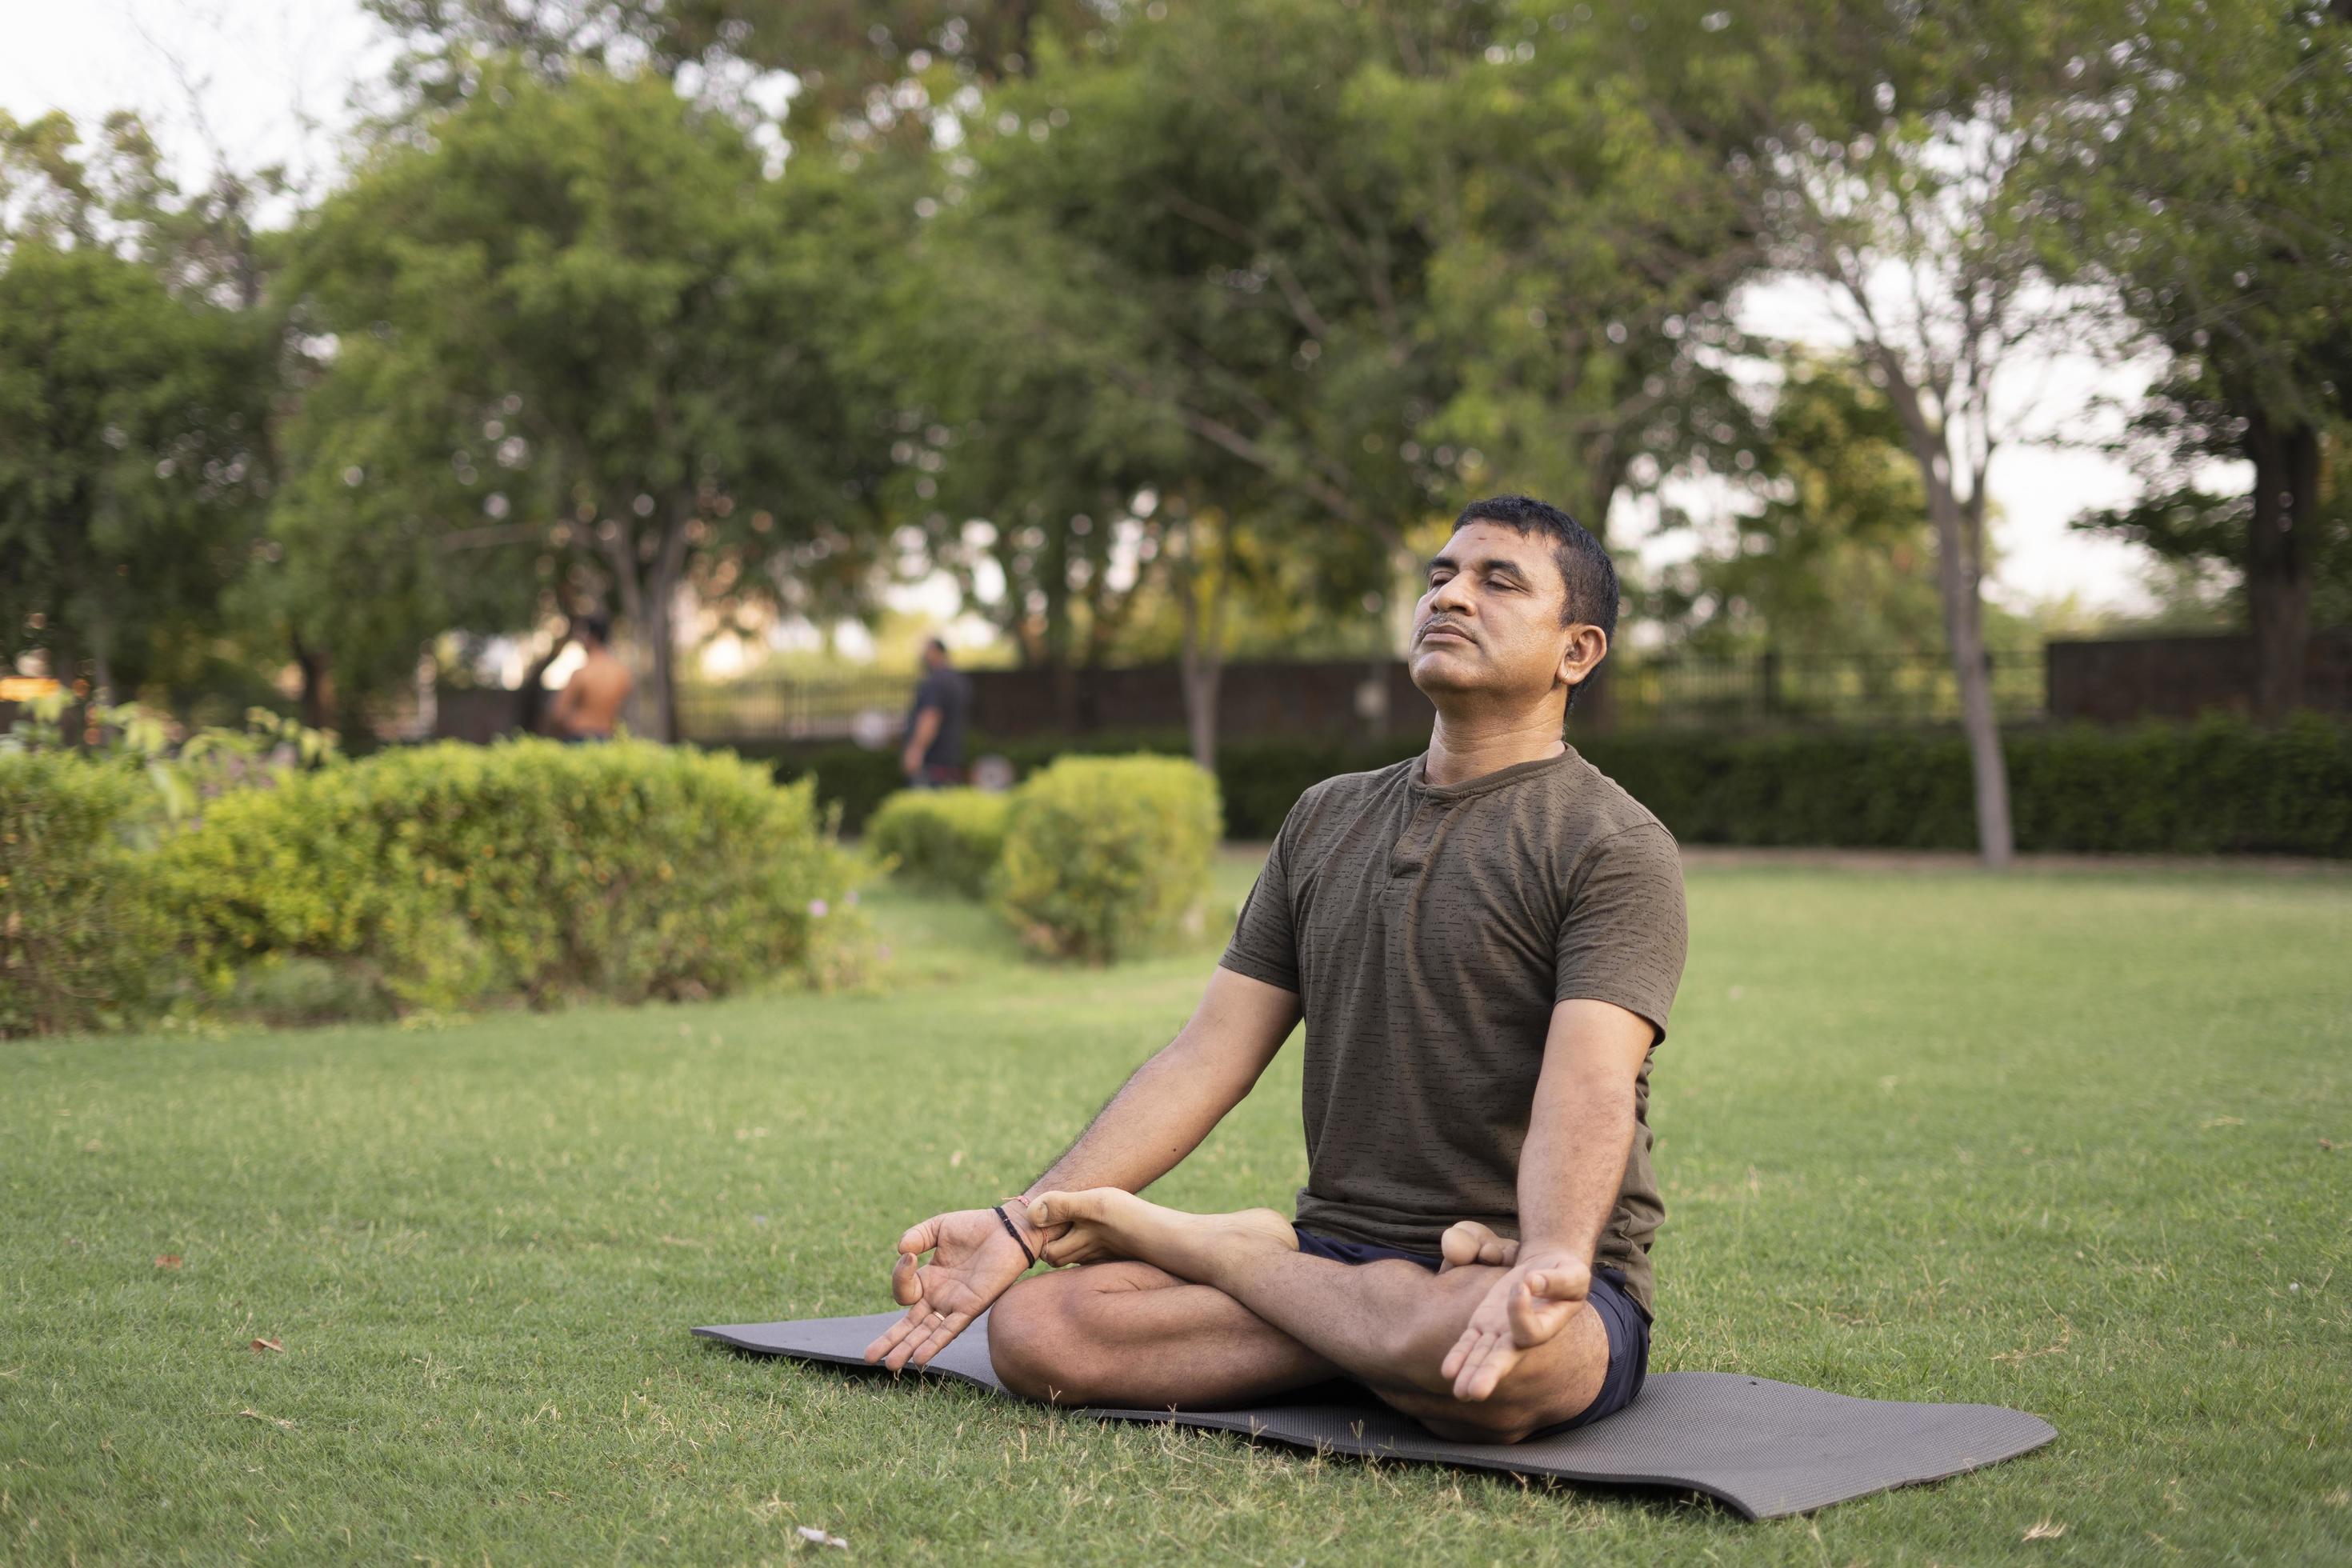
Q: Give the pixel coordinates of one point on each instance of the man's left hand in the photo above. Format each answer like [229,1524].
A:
[1530,1303]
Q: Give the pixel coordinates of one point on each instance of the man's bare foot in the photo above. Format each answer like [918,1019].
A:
[1106,1221]
[1466,1241]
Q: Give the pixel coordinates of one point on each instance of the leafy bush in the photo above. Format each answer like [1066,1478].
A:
[949,838]
[291,992]
[1103,854]
[528,868]
[82,945]
[2220,786]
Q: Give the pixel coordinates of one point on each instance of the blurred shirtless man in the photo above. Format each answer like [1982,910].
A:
[589,706]
[1484,943]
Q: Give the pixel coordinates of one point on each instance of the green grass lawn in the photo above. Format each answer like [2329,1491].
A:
[2054,1141]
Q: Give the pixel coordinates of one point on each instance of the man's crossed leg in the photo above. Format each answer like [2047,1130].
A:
[1208,1311]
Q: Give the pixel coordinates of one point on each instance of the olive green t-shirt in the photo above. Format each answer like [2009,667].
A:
[1428,933]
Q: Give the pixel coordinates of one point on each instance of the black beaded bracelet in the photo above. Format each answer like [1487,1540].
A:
[1013,1231]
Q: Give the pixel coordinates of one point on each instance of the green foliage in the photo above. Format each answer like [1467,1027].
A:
[949,838]
[2218,786]
[528,870]
[1836,555]
[130,429]
[1104,854]
[582,331]
[81,943]
[294,992]
[2221,786]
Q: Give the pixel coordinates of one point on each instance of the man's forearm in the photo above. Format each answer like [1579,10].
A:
[1579,1131]
[1159,1116]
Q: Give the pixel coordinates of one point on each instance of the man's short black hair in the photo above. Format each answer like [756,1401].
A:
[1584,565]
[596,626]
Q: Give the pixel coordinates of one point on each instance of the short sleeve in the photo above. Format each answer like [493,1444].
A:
[1625,934]
[1264,946]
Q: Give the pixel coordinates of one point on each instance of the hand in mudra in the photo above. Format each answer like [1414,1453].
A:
[1528,1306]
[973,1262]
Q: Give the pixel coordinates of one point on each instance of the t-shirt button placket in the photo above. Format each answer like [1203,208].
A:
[1412,848]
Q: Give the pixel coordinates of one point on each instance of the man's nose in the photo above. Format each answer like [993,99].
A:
[1449,597]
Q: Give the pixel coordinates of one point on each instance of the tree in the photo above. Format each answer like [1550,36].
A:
[1923,167]
[862,73]
[632,332]
[130,416]
[1200,276]
[1581,270]
[1826,554]
[2229,188]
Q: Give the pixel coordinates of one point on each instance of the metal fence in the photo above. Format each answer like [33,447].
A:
[867,708]
[1773,688]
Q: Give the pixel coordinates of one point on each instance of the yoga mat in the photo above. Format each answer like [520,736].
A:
[1765,1448]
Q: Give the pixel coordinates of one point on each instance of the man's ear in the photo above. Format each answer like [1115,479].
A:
[1585,647]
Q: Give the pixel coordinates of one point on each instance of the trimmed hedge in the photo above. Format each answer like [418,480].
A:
[2219,785]
[464,874]
[1104,854]
[947,839]
[2216,786]
[83,944]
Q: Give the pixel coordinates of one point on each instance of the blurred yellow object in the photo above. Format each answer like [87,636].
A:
[24,688]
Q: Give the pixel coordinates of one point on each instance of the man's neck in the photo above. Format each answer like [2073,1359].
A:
[1464,749]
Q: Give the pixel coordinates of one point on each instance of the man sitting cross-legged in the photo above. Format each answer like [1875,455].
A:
[1484,943]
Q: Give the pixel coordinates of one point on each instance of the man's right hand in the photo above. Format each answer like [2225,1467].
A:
[975,1262]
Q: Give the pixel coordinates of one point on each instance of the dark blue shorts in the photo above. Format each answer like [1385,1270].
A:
[1621,1315]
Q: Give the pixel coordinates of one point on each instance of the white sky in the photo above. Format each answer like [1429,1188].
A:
[266,80]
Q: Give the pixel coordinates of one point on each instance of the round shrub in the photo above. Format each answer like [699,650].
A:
[529,868]
[946,839]
[82,945]
[1104,854]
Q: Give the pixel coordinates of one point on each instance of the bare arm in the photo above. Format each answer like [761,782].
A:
[1159,1116]
[1581,1127]
[926,730]
[1171,1102]
[1571,1169]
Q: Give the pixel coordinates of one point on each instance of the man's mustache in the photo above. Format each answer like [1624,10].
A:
[1442,625]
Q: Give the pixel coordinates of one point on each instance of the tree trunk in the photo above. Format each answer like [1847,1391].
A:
[1071,712]
[65,668]
[2279,558]
[1959,574]
[657,625]
[1959,580]
[1203,666]
[531,703]
[316,705]
[1203,676]
[644,607]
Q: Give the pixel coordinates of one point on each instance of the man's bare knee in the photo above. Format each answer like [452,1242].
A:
[1550,1384]
[1037,1338]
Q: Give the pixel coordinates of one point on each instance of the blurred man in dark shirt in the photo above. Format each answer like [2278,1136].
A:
[934,752]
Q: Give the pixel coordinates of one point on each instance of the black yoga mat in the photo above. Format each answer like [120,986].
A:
[1765,1448]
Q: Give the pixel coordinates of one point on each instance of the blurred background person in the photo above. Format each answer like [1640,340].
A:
[933,757]
[590,704]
